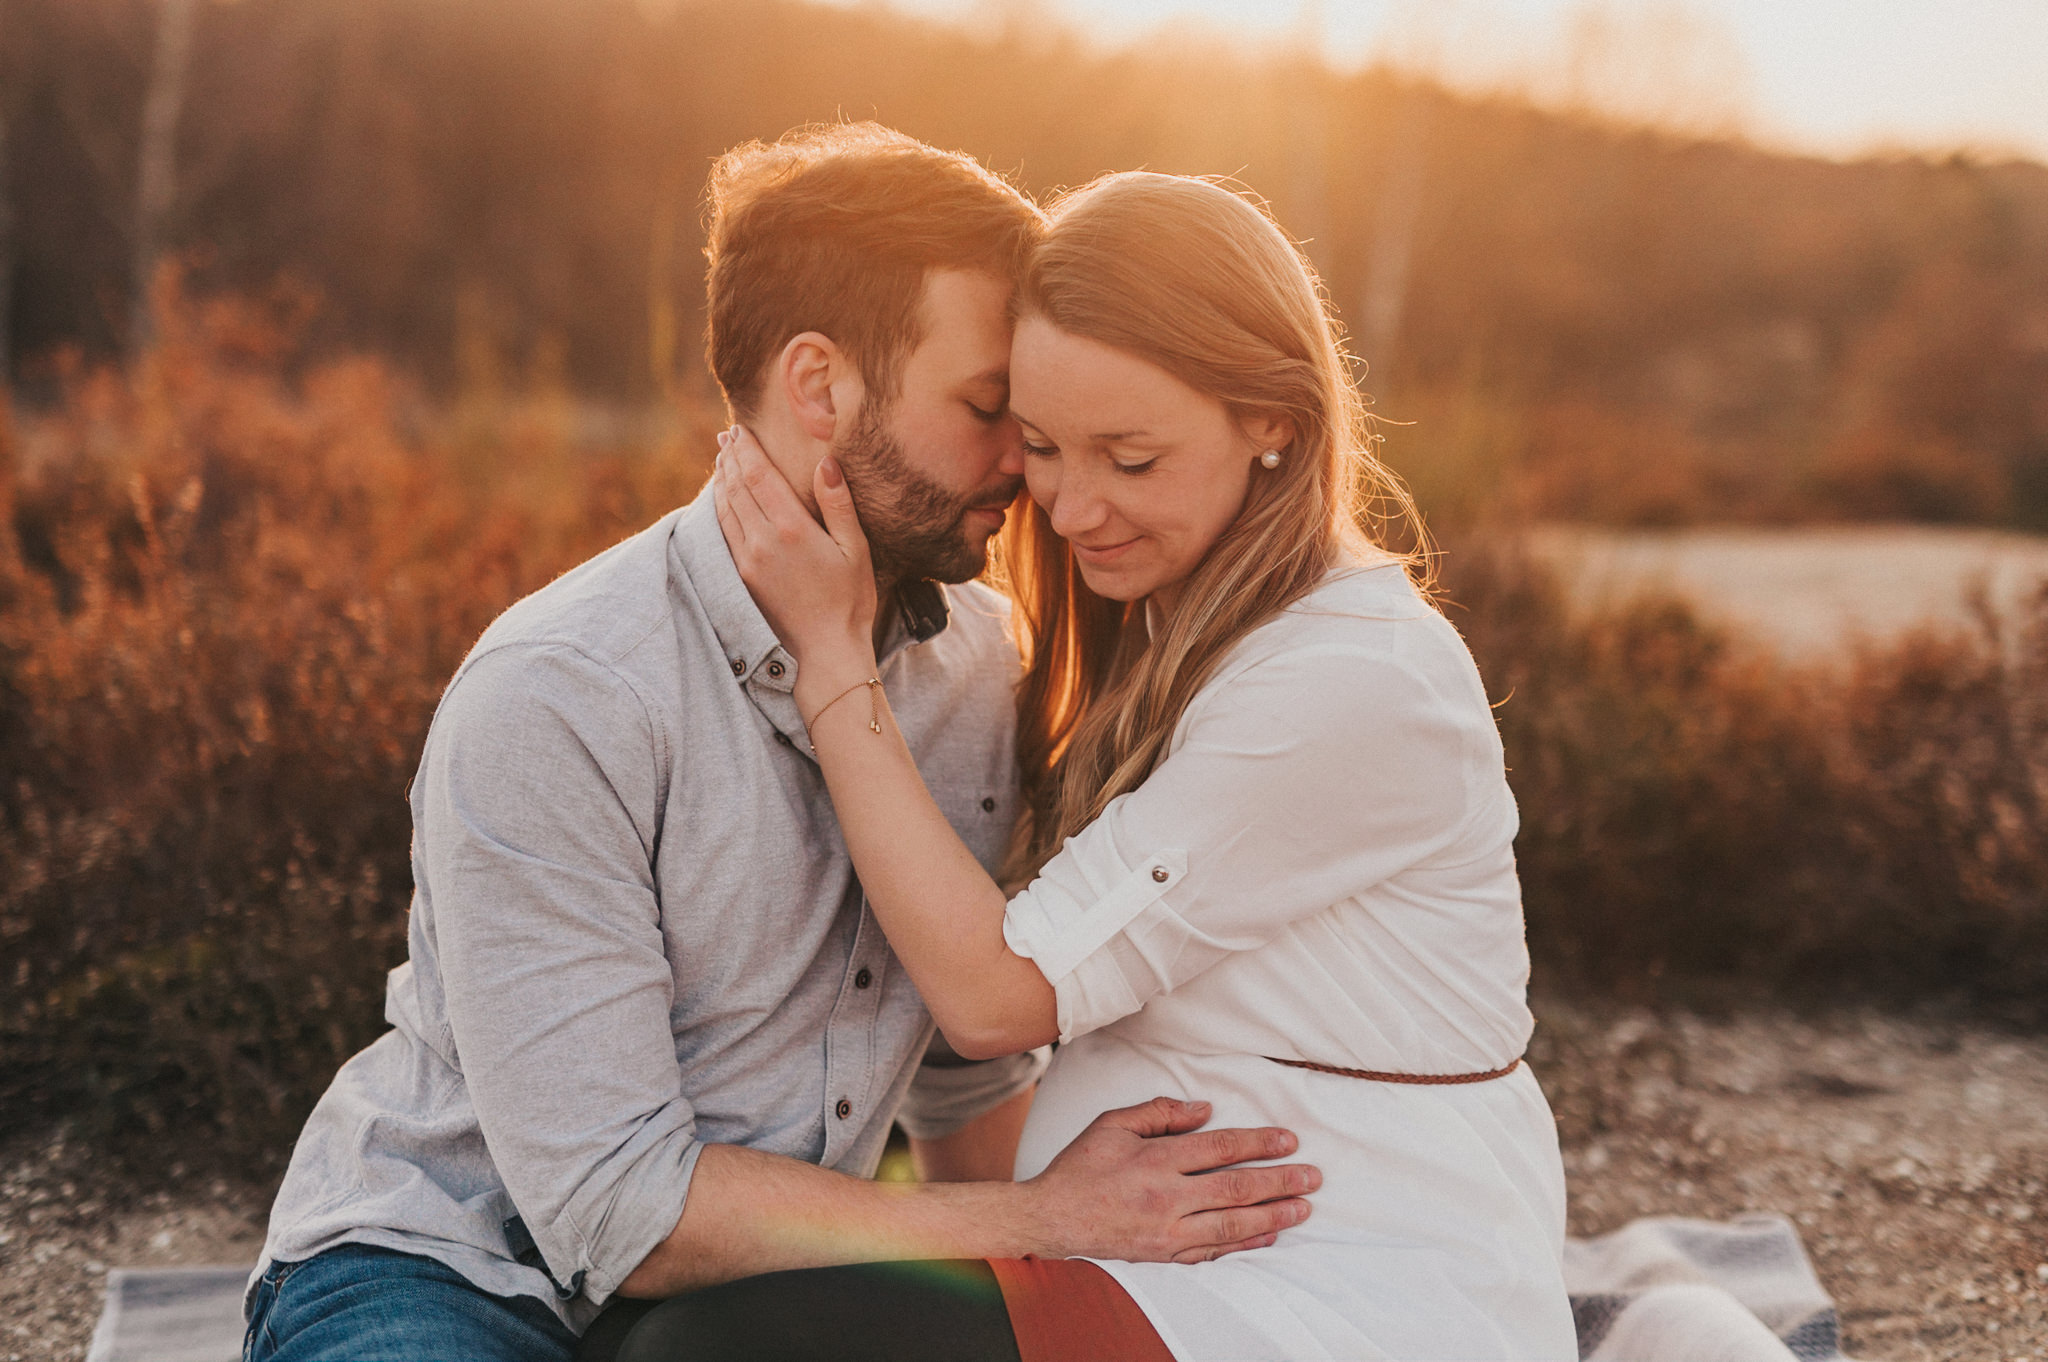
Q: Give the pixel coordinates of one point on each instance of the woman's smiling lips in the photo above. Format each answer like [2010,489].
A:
[1105,553]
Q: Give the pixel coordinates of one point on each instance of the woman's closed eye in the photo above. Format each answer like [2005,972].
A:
[1048,451]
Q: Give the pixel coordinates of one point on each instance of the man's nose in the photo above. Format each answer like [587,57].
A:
[1010,436]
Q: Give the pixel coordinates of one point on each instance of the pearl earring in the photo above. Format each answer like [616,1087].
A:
[1271,458]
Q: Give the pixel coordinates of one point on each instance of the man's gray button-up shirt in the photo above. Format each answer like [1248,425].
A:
[635,930]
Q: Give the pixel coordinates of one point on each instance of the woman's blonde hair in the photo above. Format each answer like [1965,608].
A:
[1196,279]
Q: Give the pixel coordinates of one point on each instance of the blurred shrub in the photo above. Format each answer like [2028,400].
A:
[1666,782]
[1699,816]
[230,594]
[1942,740]
[232,585]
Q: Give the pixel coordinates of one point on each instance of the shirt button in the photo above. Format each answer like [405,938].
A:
[843,1110]
[988,805]
[775,669]
[1159,874]
[864,978]
[782,737]
[739,666]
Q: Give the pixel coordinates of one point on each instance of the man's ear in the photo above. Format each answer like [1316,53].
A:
[819,384]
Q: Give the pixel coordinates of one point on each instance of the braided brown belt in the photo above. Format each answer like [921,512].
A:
[1378,1077]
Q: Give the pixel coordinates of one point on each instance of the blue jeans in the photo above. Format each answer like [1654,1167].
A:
[361,1304]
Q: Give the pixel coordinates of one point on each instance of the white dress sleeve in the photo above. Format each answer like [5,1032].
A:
[1296,783]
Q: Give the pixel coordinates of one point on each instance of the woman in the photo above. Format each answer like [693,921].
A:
[1268,846]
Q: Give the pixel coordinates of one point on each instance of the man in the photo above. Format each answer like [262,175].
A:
[649,1037]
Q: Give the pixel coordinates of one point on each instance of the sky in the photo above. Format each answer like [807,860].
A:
[1840,77]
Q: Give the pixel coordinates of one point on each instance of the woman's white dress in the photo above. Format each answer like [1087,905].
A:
[1321,869]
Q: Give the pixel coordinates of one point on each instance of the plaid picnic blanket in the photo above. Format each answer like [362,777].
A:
[1657,1290]
[1696,1291]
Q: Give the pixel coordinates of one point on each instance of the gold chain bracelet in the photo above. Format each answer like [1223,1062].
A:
[874,689]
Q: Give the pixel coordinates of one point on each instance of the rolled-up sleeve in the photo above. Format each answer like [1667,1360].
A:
[535,813]
[950,1090]
[1295,783]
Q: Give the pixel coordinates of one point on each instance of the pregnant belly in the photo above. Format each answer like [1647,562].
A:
[1402,1164]
[1099,1073]
[1441,1209]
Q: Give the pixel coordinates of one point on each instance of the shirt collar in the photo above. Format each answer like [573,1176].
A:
[753,654]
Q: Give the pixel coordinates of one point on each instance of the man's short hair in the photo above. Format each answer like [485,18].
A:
[832,229]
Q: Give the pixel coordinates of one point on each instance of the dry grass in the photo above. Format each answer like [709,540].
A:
[230,595]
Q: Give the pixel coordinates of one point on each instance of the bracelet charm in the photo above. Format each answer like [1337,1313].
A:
[874,688]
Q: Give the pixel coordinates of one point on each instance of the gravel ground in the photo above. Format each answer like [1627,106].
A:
[66,1217]
[1913,1156]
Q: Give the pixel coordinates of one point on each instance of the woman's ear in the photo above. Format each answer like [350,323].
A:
[813,375]
[1268,430]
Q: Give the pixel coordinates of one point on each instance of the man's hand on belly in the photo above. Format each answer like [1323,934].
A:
[1146,1184]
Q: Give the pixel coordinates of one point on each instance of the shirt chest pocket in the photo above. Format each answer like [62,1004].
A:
[983,813]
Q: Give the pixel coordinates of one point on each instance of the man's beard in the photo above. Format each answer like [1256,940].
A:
[913,525]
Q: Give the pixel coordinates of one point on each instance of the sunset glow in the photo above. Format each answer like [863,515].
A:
[1840,77]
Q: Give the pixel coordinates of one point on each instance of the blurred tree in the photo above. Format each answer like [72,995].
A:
[1394,210]
[663,327]
[1655,63]
[1538,284]
[156,177]
[6,215]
